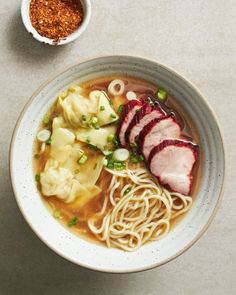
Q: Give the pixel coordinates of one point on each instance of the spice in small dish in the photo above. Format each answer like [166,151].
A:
[56,19]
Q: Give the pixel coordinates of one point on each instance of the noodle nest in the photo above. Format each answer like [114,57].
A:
[136,210]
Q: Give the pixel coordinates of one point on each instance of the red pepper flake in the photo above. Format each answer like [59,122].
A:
[56,19]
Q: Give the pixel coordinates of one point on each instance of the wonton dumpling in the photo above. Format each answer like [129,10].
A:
[62,141]
[71,162]
[57,181]
[58,122]
[90,171]
[60,182]
[85,195]
[105,113]
[75,106]
[96,137]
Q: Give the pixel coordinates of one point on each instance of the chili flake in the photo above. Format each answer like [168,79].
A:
[56,19]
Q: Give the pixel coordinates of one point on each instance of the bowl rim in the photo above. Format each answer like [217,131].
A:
[220,196]
[73,36]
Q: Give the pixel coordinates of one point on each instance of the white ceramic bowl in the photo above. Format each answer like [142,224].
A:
[25,4]
[95,256]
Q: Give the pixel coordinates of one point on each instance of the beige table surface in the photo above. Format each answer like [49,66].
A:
[195,37]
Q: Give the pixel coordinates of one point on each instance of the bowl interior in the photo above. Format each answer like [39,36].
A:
[25,6]
[86,253]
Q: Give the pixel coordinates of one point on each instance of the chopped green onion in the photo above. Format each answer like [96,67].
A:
[134,159]
[84,118]
[119,166]
[82,159]
[73,221]
[105,162]
[110,164]
[107,153]
[57,214]
[127,191]
[37,177]
[94,120]
[113,116]
[120,108]
[93,123]
[95,166]
[110,102]
[36,156]
[49,141]
[88,139]
[102,108]
[141,158]
[133,144]
[162,94]
[110,137]
[115,142]
[46,119]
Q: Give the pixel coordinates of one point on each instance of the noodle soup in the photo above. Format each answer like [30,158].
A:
[102,159]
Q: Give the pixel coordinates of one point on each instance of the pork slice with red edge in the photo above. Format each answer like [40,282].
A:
[156,131]
[171,162]
[127,114]
[146,114]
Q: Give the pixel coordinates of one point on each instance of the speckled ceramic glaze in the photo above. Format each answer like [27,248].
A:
[95,256]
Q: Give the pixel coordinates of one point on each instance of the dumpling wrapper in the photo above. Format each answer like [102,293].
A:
[75,105]
[105,112]
[62,141]
[60,182]
[96,137]
[57,181]
[90,171]
[84,195]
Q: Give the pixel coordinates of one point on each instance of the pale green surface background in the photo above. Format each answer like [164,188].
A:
[195,37]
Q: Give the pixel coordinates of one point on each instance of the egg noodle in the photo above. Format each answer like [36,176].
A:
[141,210]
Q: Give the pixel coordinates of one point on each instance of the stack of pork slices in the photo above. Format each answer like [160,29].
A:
[169,156]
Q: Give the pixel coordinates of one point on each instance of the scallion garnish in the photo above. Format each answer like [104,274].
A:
[127,191]
[82,159]
[88,139]
[46,119]
[135,158]
[73,221]
[120,108]
[37,177]
[133,144]
[110,137]
[161,94]
[102,108]
[57,214]
[49,141]
[113,116]
[84,118]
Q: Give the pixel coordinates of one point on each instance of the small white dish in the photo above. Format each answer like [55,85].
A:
[89,254]
[25,6]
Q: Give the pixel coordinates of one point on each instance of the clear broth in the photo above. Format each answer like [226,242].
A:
[68,211]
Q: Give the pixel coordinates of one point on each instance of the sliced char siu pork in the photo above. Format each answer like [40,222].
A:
[145,115]
[171,162]
[128,112]
[156,131]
